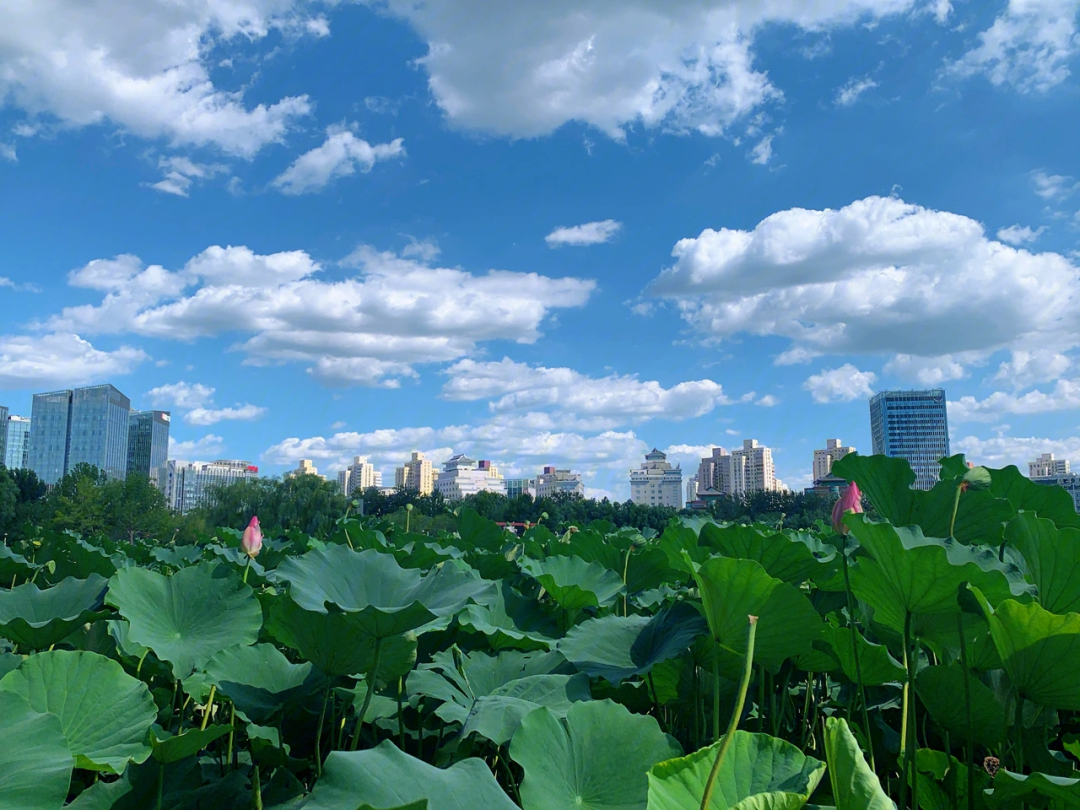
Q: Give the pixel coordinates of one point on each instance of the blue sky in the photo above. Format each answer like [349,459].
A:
[561,235]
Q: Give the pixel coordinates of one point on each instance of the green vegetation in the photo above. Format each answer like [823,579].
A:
[925,658]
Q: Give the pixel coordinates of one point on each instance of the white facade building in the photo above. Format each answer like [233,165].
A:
[187,483]
[417,475]
[552,481]
[305,467]
[691,489]
[749,469]
[823,459]
[657,483]
[1046,466]
[462,476]
[359,476]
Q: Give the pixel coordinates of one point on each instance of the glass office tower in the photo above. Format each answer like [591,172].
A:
[3,433]
[84,425]
[148,445]
[912,425]
[17,454]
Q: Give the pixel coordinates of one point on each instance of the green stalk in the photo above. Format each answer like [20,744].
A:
[858,665]
[247,565]
[142,658]
[209,706]
[1018,726]
[232,731]
[367,698]
[160,783]
[955,508]
[740,702]
[256,790]
[905,742]
[968,753]
[318,735]
[625,569]
[716,692]
[400,717]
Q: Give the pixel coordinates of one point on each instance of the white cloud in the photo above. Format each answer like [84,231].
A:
[60,359]
[209,446]
[854,87]
[211,416]
[591,233]
[879,276]
[1065,395]
[1025,368]
[933,371]
[1002,451]
[761,154]
[144,69]
[1016,235]
[7,152]
[576,400]
[367,329]
[842,384]
[1053,186]
[181,172]
[339,156]
[181,395]
[524,70]
[1029,46]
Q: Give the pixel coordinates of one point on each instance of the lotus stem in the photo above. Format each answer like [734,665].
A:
[733,723]
[142,658]
[625,569]
[955,509]
[400,717]
[858,664]
[1018,726]
[209,707]
[905,742]
[232,731]
[318,735]
[247,566]
[968,754]
[367,697]
[256,789]
[716,691]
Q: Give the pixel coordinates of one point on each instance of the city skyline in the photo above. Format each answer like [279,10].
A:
[557,235]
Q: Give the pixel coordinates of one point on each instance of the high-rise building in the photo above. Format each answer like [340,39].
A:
[552,481]
[148,445]
[748,469]
[691,489]
[656,482]
[188,484]
[359,476]
[305,467]
[76,426]
[416,475]
[462,476]
[3,433]
[714,472]
[823,459]
[1046,466]
[520,486]
[17,454]
[912,425]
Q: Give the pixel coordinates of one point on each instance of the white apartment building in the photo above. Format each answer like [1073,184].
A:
[552,481]
[749,469]
[1046,466]
[417,474]
[691,489]
[359,476]
[305,467]
[462,476]
[187,483]
[823,459]
[657,483]
[715,472]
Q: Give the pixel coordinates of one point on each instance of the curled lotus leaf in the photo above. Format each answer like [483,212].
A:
[35,761]
[41,617]
[574,583]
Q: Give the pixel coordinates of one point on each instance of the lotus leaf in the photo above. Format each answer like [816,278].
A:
[1055,792]
[941,689]
[597,757]
[1051,502]
[854,785]
[497,716]
[792,557]
[188,617]
[479,532]
[760,770]
[40,618]
[103,711]
[943,781]
[259,680]
[1053,558]
[875,663]
[510,621]
[619,647]
[14,565]
[35,761]
[574,583]
[175,747]
[384,777]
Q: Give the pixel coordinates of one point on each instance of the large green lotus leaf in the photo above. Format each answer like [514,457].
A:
[887,482]
[35,761]
[1039,650]
[103,711]
[907,571]
[943,781]
[336,644]
[794,557]
[510,621]
[498,715]
[619,647]
[188,617]
[875,662]
[733,589]
[175,747]
[385,599]
[646,566]
[385,777]
[759,773]
[941,689]
[597,757]
[478,532]
[854,785]
[1042,790]
[574,583]
[1053,558]
[259,680]
[1053,503]
[40,618]
[14,565]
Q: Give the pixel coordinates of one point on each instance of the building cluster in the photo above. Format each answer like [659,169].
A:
[1056,472]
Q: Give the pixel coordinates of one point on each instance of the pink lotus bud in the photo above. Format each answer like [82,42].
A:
[252,541]
[850,501]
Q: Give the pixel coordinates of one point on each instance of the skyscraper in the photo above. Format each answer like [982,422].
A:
[17,454]
[823,459]
[84,425]
[417,474]
[3,433]
[148,445]
[912,425]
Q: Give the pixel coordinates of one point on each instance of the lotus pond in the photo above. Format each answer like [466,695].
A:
[926,657]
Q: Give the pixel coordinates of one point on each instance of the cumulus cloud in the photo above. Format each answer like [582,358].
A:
[181,173]
[878,276]
[341,155]
[60,359]
[1002,451]
[933,371]
[181,395]
[1028,46]
[842,384]
[524,70]
[144,69]
[1016,235]
[1065,395]
[211,416]
[761,154]
[591,233]
[1053,186]
[1026,368]
[854,87]
[209,446]
[367,329]
[575,399]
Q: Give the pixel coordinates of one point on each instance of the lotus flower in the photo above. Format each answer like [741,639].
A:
[252,541]
[850,501]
